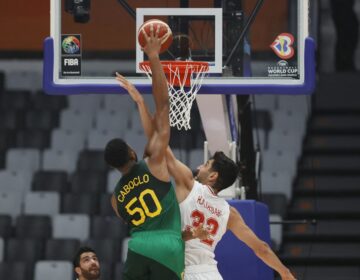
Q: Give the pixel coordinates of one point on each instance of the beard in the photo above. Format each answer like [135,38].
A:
[91,274]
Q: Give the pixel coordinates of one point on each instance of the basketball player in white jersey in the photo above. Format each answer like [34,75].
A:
[205,216]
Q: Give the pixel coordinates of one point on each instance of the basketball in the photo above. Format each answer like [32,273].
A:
[165,33]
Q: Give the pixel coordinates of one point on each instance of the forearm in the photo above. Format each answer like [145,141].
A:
[159,83]
[146,119]
[187,235]
[268,256]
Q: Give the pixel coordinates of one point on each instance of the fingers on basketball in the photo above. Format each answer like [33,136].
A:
[155,28]
[146,37]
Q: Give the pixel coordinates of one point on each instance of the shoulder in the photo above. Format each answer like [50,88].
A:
[184,193]
[196,185]
[235,218]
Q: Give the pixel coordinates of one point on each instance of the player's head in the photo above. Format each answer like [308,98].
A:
[219,172]
[118,153]
[86,264]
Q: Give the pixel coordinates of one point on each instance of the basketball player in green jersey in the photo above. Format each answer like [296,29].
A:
[144,197]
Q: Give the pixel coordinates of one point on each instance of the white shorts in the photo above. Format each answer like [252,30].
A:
[202,272]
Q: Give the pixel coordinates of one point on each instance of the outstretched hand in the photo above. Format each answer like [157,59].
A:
[153,42]
[200,232]
[288,276]
[134,93]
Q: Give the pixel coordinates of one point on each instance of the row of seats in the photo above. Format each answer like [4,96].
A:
[279,129]
[82,181]
[280,141]
[109,124]
[67,160]
[51,203]
[32,160]
[89,181]
[25,99]
[22,139]
[17,250]
[62,226]
[54,270]
[20,99]
[28,119]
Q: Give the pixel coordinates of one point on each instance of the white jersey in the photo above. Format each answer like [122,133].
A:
[202,205]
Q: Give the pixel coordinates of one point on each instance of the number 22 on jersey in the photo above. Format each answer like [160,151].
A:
[211,224]
[144,210]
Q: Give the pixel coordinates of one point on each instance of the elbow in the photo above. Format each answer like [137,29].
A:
[262,249]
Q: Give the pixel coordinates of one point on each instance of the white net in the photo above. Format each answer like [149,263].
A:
[184,81]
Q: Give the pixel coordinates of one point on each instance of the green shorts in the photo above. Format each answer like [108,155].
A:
[155,256]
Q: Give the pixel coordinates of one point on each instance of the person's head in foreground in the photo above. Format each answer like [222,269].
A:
[86,264]
[219,172]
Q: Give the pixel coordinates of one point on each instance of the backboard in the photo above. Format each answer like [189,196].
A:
[252,46]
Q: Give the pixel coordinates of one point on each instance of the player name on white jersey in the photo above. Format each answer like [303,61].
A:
[204,203]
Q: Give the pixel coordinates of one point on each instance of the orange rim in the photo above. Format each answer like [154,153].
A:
[196,66]
[184,68]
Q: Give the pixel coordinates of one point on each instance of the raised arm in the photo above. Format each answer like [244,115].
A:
[237,225]
[159,87]
[145,115]
[159,83]
[159,139]
[180,172]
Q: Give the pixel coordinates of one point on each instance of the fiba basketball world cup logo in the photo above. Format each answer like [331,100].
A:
[71,45]
[282,46]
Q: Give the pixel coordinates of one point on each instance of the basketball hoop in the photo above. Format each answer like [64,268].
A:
[184,81]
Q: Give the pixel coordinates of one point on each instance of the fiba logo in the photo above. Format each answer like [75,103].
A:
[282,63]
[71,45]
[282,46]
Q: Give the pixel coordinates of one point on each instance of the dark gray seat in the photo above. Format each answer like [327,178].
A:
[11,119]
[80,203]
[105,205]
[5,226]
[115,228]
[91,160]
[15,99]
[16,270]
[44,120]
[33,226]
[118,270]
[107,250]
[37,139]
[61,249]
[50,181]
[41,101]
[24,250]
[88,182]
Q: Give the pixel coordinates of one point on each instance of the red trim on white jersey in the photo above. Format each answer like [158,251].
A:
[211,190]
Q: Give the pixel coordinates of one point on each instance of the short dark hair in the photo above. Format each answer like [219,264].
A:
[227,169]
[80,251]
[117,153]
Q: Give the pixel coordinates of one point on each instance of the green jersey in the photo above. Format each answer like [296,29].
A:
[150,208]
